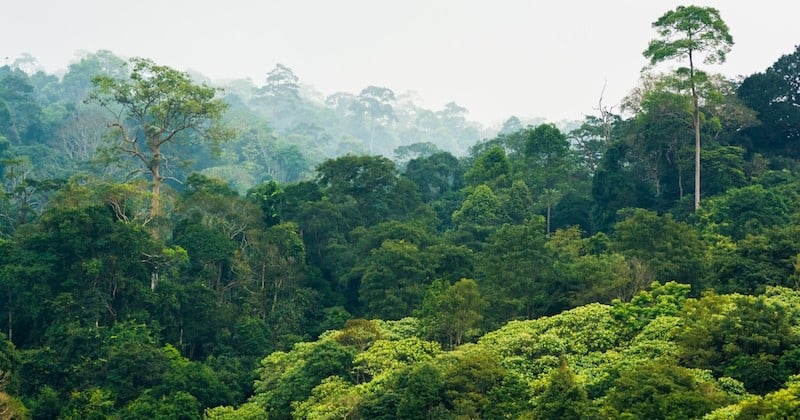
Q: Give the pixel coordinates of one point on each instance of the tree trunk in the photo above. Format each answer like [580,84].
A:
[548,217]
[277,285]
[155,171]
[696,115]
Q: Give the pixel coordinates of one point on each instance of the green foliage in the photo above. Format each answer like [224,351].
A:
[334,398]
[386,356]
[167,106]
[772,94]
[752,339]
[781,404]
[563,397]
[476,385]
[247,411]
[661,390]
[91,404]
[742,211]
[724,168]
[436,175]
[177,405]
[114,309]
[690,28]
[519,202]
[9,363]
[665,299]
[393,280]
[492,168]
[591,276]
[133,361]
[269,196]
[479,212]
[451,314]
[465,384]
[531,348]
[368,180]
[515,274]
[12,408]
[672,249]
[288,377]
[550,166]
[758,261]
[414,392]
[358,333]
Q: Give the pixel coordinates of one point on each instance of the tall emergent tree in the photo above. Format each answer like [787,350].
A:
[684,33]
[155,107]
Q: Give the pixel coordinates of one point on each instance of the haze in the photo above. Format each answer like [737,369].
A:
[524,58]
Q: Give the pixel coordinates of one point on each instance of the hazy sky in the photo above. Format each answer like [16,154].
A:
[496,58]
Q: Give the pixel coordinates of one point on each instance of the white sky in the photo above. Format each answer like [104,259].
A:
[496,58]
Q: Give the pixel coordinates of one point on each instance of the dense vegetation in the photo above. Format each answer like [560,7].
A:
[170,250]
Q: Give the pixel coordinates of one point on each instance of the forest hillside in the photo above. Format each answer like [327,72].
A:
[173,248]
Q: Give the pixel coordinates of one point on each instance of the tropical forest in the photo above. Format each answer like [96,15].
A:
[172,247]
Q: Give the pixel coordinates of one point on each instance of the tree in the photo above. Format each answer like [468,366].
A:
[20,114]
[393,278]
[741,212]
[491,167]
[435,175]
[515,273]
[157,107]
[748,338]
[285,377]
[563,397]
[672,249]
[511,125]
[282,261]
[375,104]
[661,390]
[480,213]
[420,150]
[549,161]
[282,81]
[370,182]
[590,141]
[281,93]
[617,185]
[477,385]
[685,32]
[9,361]
[452,313]
[775,96]
[77,81]
[659,140]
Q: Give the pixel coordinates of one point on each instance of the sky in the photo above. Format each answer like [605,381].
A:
[529,58]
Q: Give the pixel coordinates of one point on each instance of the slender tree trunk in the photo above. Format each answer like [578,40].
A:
[277,285]
[263,305]
[696,115]
[548,217]
[155,171]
